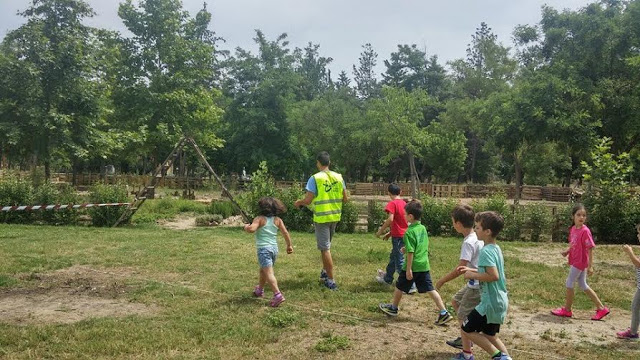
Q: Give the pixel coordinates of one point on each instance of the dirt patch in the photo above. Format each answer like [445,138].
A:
[70,295]
[233,221]
[180,223]
[550,255]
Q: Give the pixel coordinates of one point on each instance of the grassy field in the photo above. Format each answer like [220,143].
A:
[193,289]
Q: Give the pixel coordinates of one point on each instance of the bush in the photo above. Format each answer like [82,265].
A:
[349,218]
[538,219]
[376,215]
[561,222]
[222,208]
[15,191]
[513,224]
[295,219]
[436,216]
[496,202]
[262,185]
[100,193]
[48,193]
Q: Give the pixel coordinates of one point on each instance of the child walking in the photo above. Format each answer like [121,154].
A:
[467,298]
[482,325]
[632,332]
[266,227]
[580,254]
[415,267]
[397,223]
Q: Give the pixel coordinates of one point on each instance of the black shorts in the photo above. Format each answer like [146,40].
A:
[478,323]
[421,279]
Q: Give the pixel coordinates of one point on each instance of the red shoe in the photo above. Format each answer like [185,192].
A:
[562,312]
[601,313]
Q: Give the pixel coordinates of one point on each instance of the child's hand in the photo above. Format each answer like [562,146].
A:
[590,270]
[246,227]
[402,250]
[463,269]
[628,249]
[289,249]
[409,274]
[565,253]
[386,236]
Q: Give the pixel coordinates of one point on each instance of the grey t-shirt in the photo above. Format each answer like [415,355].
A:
[470,252]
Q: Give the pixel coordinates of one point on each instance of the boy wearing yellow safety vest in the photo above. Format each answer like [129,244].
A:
[327,191]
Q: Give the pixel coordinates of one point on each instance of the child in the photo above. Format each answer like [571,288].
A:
[580,253]
[632,332]
[415,268]
[483,323]
[266,226]
[398,225]
[467,298]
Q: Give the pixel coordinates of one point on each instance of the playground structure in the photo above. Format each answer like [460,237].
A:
[176,154]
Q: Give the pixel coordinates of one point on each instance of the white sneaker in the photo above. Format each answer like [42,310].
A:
[380,277]
[413,290]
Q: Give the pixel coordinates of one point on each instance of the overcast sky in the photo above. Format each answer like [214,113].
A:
[341,27]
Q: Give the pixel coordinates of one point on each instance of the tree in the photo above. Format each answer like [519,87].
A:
[364,74]
[313,69]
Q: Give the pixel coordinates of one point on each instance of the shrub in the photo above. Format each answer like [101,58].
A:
[436,216]
[496,202]
[295,219]
[100,193]
[349,218]
[48,193]
[376,215]
[561,222]
[15,191]
[513,224]
[538,219]
[222,208]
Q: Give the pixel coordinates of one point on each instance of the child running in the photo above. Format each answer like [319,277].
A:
[580,254]
[397,223]
[266,226]
[467,298]
[415,268]
[632,332]
[483,323]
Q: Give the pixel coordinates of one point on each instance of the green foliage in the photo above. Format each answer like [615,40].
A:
[514,222]
[222,208]
[376,215]
[611,211]
[538,219]
[108,215]
[331,343]
[166,208]
[561,222]
[15,191]
[47,193]
[496,202]
[295,219]
[281,318]
[262,185]
[349,218]
[436,216]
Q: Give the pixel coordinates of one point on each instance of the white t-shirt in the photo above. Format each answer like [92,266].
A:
[470,252]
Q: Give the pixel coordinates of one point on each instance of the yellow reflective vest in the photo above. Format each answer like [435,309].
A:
[328,202]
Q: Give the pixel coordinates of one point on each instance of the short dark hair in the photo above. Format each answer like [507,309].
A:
[414,207]
[463,214]
[270,206]
[323,158]
[491,220]
[394,189]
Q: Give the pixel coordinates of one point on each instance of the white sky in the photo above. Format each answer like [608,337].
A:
[341,27]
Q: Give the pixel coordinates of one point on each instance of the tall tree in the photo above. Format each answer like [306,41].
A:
[364,74]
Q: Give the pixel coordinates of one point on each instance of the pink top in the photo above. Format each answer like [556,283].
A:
[580,241]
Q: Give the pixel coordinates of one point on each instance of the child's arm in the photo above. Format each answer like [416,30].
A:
[590,268]
[452,275]
[386,236]
[285,233]
[634,259]
[385,225]
[258,221]
[409,264]
[490,275]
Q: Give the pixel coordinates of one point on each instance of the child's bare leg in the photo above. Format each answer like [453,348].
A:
[466,342]
[262,279]
[497,343]
[437,299]
[568,303]
[482,341]
[397,296]
[271,279]
[594,297]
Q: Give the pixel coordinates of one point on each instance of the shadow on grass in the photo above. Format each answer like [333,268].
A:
[553,319]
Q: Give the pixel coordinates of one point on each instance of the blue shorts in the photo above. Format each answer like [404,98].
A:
[267,256]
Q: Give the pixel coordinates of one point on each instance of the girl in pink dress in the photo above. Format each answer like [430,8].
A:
[580,254]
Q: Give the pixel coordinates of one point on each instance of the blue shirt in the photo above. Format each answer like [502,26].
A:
[312,187]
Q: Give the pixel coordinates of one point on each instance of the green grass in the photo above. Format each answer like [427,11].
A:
[201,280]
[165,209]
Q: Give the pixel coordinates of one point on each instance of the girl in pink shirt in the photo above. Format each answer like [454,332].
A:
[580,254]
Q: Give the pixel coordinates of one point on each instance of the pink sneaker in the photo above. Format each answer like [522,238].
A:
[562,312]
[258,291]
[627,335]
[601,313]
[276,300]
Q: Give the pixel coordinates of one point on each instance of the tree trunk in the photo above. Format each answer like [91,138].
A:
[473,155]
[415,181]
